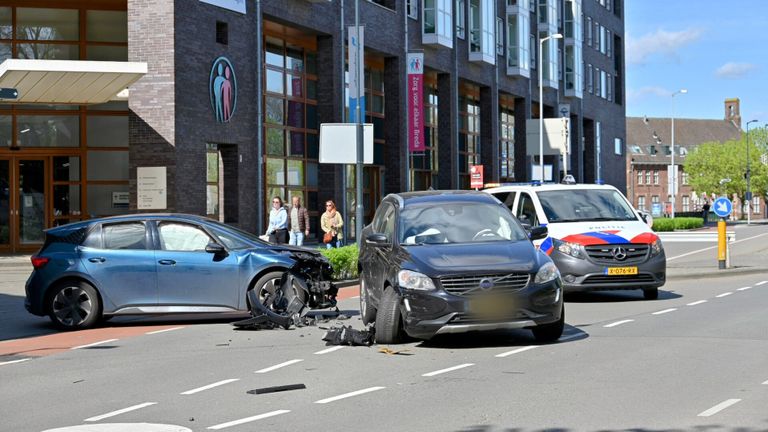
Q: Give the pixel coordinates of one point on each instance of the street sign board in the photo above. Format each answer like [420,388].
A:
[656,209]
[475,176]
[8,93]
[722,207]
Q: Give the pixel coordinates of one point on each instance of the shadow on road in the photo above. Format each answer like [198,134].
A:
[497,339]
[697,428]
[615,296]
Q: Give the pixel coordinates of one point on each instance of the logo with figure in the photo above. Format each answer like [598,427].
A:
[222,86]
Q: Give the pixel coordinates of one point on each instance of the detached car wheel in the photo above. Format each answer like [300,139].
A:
[367,311]
[388,322]
[651,293]
[550,332]
[74,306]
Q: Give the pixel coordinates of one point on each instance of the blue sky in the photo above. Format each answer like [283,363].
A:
[713,48]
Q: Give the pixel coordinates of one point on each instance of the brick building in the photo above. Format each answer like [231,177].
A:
[227,110]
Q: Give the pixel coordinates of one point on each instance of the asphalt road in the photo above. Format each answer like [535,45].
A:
[694,360]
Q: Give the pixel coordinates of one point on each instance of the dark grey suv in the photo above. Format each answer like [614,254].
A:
[455,261]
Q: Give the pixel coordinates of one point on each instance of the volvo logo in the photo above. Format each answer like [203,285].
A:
[619,253]
[486,284]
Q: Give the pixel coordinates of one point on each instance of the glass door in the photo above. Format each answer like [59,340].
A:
[31,205]
[5,204]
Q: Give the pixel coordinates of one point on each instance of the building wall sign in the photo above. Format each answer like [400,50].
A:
[233,5]
[222,86]
[415,102]
[151,188]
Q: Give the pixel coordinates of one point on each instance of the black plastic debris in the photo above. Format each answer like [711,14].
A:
[276,389]
[346,335]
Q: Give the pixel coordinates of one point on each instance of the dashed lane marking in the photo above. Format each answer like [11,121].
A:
[450,369]
[165,330]
[618,323]
[719,407]
[210,386]
[13,361]
[120,411]
[348,395]
[765,383]
[278,366]
[519,350]
[329,350]
[696,303]
[724,294]
[744,288]
[249,419]
[761,283]
[94,344]
[662,312]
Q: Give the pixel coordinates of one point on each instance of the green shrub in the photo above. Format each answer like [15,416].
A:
[343,260]
[667,224]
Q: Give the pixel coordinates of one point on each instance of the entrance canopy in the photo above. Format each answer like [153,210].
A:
[79,82]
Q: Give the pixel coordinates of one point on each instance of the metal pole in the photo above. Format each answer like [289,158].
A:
[358,117]
[407,137]
[344,203]
[748,175]
[260,192]
[672,214]
[541,109]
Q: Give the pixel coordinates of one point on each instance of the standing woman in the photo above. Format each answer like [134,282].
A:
[278,222]
[331,224]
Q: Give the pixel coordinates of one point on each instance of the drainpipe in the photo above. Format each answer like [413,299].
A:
[259,123]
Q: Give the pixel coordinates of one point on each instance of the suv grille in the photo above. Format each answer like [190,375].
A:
[470,285]
[617,253]
[605,279]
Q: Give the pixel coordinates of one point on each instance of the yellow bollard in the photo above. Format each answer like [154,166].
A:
[722,244]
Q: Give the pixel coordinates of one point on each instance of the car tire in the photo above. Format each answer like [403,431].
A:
[367,311]
[266,284]
[550,332]
[388,320]
[74,305]
[651,293]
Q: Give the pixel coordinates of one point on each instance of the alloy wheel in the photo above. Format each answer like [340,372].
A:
[72,306]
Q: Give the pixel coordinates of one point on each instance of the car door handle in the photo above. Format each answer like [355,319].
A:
[97,259]
[167,262]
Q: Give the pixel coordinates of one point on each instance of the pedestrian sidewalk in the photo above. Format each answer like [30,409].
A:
[15,261]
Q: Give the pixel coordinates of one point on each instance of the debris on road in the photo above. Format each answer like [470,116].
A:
[346,335]
[275,389]
[389,351]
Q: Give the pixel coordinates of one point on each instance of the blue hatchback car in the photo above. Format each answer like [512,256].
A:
[156,264]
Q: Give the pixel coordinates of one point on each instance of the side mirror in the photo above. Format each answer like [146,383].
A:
[539,232]
[215,248]
[646,217]
[377,239]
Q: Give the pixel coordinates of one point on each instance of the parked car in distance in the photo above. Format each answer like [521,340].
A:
[596,238]
[156,264]
[439,262]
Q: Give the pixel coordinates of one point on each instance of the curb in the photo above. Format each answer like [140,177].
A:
[716,273]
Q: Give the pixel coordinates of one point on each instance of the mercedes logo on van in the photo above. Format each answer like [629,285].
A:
[486,284]
[619,253]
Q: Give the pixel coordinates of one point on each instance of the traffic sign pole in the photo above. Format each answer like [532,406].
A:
[722,245]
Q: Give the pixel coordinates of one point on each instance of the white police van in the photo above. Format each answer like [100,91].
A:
[595,237]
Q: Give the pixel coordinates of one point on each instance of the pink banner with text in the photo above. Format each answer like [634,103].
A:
[415,102]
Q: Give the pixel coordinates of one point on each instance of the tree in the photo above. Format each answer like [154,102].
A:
[713,161]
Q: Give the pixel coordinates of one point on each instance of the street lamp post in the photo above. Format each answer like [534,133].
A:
[749,192]
[541,101]
[672,167]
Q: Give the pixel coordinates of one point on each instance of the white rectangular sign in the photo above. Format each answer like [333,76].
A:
[338,143]
[152,192]
[672,171]
[233,5]
[555,136]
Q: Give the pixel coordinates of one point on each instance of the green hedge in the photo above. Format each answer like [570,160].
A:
[343,260]
[682,223]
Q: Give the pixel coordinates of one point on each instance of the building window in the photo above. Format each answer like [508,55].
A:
[756,205]
[648,177]
[588,28]
[213,164]
[413,8]
[507,139]
[519,41]
[574,82]
[482,23]
[598,149]
[532,45]
[424,166]
[655,177]
[684,178]
[469,131]
[609,87]
[590,79]
[608,41]
[655,199]
[640,175]
[499,36]
[603,85]
[686,203]
[641,203]
[597,82]
[618,146]
[437,22]
[461,19]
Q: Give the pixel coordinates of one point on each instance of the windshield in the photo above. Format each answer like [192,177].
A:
[458,223]
[582,205]
[228,235]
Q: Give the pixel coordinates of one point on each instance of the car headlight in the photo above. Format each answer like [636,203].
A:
[568,248]
[548,272]
[414,280]
[656,247]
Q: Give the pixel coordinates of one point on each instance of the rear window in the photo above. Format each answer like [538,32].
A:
[131,235]
[584,205]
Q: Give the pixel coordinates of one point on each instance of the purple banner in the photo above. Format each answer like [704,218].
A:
[415,102]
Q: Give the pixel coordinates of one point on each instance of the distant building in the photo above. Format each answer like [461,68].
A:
[649,154]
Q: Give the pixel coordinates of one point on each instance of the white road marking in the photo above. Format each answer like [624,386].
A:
[14,361]
[765,383]
[442,371]
[346,395]
[330,350]
[744,288]
[210,386]
[94,344]
[278,366]
[719,407]
[713,247]
[661,312]
[519,350]
[121,411]
[696,303]
[163,331]
[248,419]
[761,283]
[617,323]
[355,297]
[724,294]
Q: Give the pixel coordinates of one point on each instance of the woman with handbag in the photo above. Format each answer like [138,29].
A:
[278,222]
[331,224]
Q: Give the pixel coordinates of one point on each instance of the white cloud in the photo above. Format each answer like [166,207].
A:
[732,70]
[634,95]
[661,42]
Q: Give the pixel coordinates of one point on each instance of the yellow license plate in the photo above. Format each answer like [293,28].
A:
[620,271]
[491,306]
